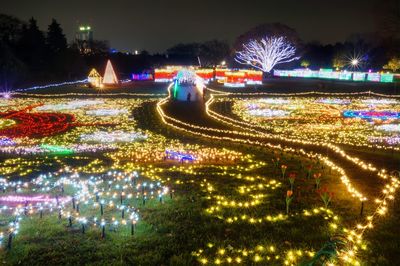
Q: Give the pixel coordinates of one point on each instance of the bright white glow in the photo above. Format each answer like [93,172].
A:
[356,60]
[333,101]
[162,80]
[266,53]
[107,112]
[379,101]
[253,82]
[73,105]
[274,101]
[234,85]
[116,136]
[389,128]
[268,113]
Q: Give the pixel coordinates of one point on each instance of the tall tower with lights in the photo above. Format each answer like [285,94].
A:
[84,39]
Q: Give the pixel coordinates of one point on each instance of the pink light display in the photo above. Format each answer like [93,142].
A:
[12,200]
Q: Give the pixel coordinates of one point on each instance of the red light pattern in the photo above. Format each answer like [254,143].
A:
[39,125]
[36,125]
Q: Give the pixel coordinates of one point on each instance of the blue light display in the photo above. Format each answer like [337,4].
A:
[6,142]
[176,155]
[383,115]
[142,77]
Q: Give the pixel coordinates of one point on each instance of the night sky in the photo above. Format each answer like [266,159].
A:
[155,25]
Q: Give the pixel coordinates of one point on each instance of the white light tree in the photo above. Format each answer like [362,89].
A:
[266,53]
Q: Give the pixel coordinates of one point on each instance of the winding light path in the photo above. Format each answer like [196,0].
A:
[376,183]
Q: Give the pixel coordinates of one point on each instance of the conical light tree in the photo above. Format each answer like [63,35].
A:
[266,53]
[109,75]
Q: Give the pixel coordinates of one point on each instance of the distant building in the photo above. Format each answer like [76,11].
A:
[84,39]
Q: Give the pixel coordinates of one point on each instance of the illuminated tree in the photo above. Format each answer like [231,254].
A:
[393,64]
[266,53]
[338,62]
[268,29]
[305,63]
[109,75]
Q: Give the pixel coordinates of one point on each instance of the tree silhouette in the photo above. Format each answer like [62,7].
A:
[184,53]
[11,68]
[32,46]
[10,28]
[56,40]
[213,52]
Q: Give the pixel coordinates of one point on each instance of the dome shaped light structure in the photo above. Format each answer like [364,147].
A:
[187,86]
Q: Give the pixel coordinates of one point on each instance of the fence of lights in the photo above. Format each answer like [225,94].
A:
[238,78]
[111,199]
[254,136]
[229,77]
[168,73]
[339,75]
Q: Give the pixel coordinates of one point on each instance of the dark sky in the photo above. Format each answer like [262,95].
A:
[155,25]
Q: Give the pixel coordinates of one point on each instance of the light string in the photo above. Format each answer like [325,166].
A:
[354,237]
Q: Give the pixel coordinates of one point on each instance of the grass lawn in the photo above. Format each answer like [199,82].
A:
[222,212]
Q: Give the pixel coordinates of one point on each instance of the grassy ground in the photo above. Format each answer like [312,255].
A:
[382,253]
[184,230]
[189,115]
[170,232]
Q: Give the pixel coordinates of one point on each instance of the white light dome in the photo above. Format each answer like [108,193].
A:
[188,86]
